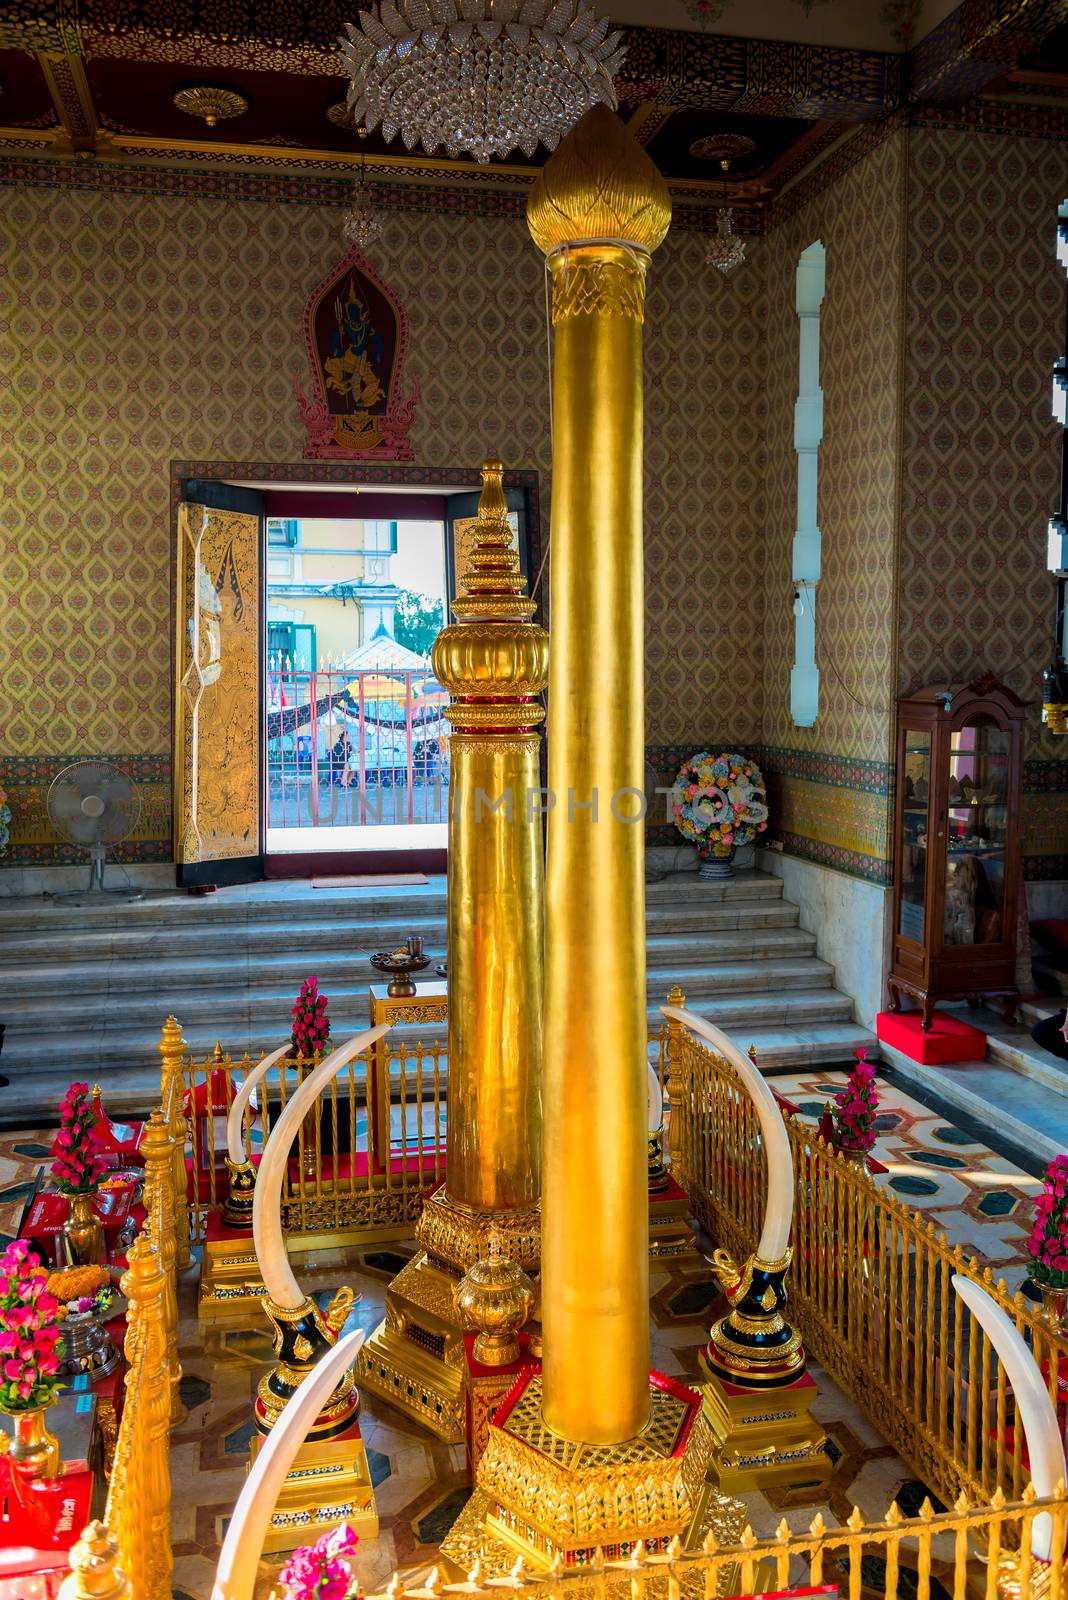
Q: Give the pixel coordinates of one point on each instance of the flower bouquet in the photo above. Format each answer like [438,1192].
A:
[30,1351]
[1047,1245]
[77,1167]
[719,802]
[311,1025]
[322,1571]
[855,1109]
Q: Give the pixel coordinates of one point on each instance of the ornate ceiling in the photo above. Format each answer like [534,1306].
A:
[98,78]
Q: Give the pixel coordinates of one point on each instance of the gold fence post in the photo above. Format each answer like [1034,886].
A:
[157,1147]
[172,1053]
[678,1093]
[139,1499]
[95,1573]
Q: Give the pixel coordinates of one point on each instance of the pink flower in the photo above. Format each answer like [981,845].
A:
[341,1542]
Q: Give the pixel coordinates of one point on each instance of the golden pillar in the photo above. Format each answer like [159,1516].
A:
[494,661]
[597,210]
[595,1453]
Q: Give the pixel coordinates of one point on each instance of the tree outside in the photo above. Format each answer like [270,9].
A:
[417,621]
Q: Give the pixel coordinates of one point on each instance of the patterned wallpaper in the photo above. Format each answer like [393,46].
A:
[830,783]
[149,327]
[985,322]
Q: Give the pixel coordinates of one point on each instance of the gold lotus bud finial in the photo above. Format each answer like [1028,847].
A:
[492,506]
[599,184]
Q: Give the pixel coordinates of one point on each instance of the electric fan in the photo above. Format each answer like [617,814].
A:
[93,804]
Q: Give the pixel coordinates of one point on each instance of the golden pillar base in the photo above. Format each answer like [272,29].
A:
[231,1285]
[328,1483]
[540,1497]
[415,1357]
[762,1437]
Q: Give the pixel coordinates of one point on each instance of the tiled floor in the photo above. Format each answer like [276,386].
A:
[978,1198]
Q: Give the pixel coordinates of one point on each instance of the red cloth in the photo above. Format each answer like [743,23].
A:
[42,1520]
[49,1211]
[947,1041]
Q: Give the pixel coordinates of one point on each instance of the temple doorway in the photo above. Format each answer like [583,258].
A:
[309,734]
[355,733]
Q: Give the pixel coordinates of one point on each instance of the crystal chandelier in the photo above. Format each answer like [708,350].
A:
[725,250]
[481,76]
[363,220]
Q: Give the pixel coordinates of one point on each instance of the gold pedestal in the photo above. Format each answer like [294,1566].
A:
[543,1498]
[415,1357]
[762,1437]
[328,1483]
[231,1286]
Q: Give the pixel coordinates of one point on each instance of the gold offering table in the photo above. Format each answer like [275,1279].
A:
[429,1003]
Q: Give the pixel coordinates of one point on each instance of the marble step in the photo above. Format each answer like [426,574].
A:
[359,937]
[299,903]
[1031,1121]
[230,1017]
[29,1100]
[783,962]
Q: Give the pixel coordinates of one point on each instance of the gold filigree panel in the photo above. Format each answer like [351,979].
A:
[217,709]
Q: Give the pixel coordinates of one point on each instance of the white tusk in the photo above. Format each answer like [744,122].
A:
[278,1278]
[235,1145]
[656,1102]
[235,1575]
[1034,1408]
[779,1210]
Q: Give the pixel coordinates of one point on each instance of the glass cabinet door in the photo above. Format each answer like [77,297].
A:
[914,833]
[976,834]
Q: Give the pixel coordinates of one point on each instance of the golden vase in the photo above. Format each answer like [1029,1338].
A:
[33,1452]
[1054,1307]
[83,1237]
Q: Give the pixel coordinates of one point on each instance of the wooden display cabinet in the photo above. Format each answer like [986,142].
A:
[956,845]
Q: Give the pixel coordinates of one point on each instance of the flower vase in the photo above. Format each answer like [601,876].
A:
[83,1237]
[717,863]
[33,1451]
[1054,1307]
[856,1158]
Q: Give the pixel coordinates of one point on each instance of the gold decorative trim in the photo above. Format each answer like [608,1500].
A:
[605,283]
[459,1235]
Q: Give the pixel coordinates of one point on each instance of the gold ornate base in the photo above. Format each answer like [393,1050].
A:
[415,1358]
[458,1235]
[328,1483]
[231,1287]
[762,1437]
[670,1233]
[542,1498]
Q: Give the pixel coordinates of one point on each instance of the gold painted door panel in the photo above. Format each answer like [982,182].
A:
[217,689]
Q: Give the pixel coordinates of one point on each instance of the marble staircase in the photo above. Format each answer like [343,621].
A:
[84,990]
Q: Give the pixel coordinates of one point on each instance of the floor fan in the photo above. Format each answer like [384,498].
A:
[93,804]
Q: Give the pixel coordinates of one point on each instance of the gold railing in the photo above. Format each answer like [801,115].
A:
[362,1159]
[127,1555]
[869,1285]
[961,1552]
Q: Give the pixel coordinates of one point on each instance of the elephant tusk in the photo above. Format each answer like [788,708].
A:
[779,1209]
[281,1285]
[235,1575]
[235,1147]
